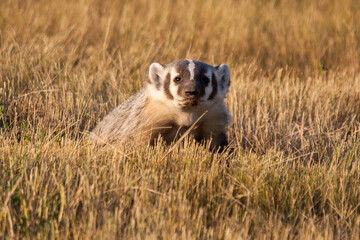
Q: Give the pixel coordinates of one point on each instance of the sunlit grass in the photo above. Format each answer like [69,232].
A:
[294,99]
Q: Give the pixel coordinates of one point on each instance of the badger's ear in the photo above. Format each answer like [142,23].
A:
[156,75]
[223,78]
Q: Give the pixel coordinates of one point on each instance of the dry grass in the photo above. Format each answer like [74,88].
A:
[295,101]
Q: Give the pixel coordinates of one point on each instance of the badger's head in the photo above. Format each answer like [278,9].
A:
[188,83]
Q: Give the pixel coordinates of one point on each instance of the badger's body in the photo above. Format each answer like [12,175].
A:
[177,95]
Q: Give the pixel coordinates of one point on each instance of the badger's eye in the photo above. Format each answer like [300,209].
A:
[177,79]
[205,80]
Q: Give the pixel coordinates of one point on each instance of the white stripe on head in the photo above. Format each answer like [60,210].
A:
[191,68]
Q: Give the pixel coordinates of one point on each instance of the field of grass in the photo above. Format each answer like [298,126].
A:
[294,98]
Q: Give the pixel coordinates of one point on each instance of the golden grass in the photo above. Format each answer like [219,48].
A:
[295,102]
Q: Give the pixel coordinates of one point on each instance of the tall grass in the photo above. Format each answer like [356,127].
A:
[294,98]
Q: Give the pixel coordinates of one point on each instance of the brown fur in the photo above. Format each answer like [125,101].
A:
[148,116]
[171,124]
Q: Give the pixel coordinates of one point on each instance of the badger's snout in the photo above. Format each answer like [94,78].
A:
[191,92]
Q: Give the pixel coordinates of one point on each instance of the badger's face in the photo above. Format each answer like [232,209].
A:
[188,83]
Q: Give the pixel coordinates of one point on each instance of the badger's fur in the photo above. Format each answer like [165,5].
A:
[176,96]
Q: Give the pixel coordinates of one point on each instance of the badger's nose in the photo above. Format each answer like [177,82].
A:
[191,92]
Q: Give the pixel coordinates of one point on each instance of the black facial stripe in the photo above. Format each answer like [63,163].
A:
[214,86]
[200,88]
[200,78]
[167,87]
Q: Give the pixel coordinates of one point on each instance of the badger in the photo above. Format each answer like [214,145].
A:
[179,96]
